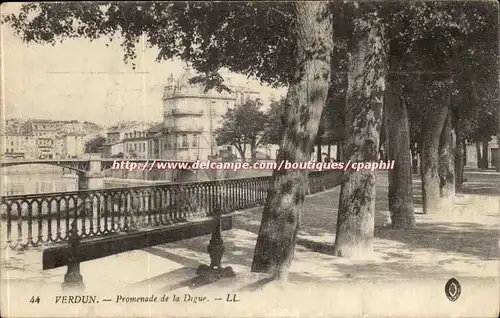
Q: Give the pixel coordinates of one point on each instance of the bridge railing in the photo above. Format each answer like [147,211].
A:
[37,219]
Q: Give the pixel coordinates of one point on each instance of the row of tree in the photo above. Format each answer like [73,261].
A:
[414,73]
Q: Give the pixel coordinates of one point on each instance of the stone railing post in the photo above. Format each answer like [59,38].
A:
[73,279]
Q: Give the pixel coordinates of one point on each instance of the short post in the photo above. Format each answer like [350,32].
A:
[215,249]
[73,279]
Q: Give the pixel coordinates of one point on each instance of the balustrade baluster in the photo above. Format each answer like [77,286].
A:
[247,189]
[139,211]
[254,192]
[58,220]
[9,221]
[49,220]
[210,201]
[150,206]
[99,199]
[161,196]
[233,195]
[68,216]
[89,215]
[240,194]
[126,210]
[83,215]
[107,204]
[120,212]
[159,205]
[76,213]
[40,222]
[223,196]
[30,223]
[170,207]
[113,204]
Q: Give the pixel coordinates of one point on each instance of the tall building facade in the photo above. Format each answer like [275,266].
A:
[192,115]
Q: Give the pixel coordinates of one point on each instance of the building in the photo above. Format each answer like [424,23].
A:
[19,146]
[192,115]
[116,135]
[136,145]
[41,138]
[46,147]
[41,127]
[493,153]
[73,145]
[156,141]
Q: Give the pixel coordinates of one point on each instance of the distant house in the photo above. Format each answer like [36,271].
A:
[73,145]
[136,145]
[156,141]
[18,146]
[116,135]
[492,152]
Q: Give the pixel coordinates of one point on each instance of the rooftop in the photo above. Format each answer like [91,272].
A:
[156,128]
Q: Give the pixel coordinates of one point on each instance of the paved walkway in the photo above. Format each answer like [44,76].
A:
[414,264]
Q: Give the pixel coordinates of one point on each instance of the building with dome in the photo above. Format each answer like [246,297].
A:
[191,116]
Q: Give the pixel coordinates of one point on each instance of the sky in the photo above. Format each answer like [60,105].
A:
[83,80]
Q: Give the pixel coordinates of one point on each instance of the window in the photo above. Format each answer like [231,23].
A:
[135,146]
[168,141]
[195,141]
[12,143]
[184,141]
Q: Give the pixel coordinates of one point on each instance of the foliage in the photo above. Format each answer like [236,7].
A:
[94,145]
[251,38]
[459,43]
[246,124]
[275,121]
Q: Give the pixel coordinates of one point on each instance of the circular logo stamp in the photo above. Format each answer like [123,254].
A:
[452,289]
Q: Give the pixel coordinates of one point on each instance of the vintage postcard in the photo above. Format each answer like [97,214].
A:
[250,159]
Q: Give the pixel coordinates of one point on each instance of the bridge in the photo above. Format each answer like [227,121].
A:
[89,171]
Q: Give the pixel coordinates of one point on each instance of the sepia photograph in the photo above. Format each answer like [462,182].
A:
[250,159]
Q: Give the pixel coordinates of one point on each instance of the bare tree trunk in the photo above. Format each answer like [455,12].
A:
[339,151]
[446,164]
[486,156]
[479,156]
[318,151]
[253,151]
[364,104]
[398,141]
[305,101]
[459,157]
[431,132]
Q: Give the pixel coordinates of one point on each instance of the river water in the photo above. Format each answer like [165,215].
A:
[34,179]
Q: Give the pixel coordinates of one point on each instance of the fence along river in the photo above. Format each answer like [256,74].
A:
[41,219]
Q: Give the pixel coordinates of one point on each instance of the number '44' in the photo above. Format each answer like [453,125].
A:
[35,300]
